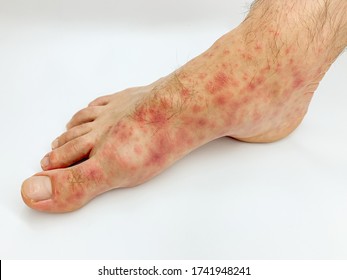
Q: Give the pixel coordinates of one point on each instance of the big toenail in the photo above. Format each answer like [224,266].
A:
[45,161]
[37,188]
[55,144]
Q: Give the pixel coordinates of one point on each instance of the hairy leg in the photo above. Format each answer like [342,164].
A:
[254,84]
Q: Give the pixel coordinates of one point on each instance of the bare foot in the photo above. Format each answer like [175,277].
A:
[245,86]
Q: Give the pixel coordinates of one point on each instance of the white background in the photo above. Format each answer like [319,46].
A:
[226,200]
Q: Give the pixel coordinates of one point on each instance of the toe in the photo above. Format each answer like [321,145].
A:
[86,115]
[71,134]
[68,154]
[101,101]
[64,190]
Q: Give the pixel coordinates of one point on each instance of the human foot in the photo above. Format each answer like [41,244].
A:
[241,87]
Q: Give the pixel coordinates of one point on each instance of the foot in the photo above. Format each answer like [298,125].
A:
[238,88]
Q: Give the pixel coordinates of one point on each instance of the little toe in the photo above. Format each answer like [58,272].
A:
[101,101]
[71,134]
[64,190]
[68,154]
[85,115]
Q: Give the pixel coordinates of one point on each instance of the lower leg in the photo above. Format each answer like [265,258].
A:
[254,84]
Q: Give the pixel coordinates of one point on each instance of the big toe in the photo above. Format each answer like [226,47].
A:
[64,190]
[37,188]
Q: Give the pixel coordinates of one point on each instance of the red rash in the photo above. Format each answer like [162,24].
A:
[122,132]
[158,154]
[95,174]
[202,122]
[219,82]
[202,76]
[185,92]
[220,100]
[196,109]
[297,83]
[251,86]
[258,47]
[247,56]
[138,150]
[298,80]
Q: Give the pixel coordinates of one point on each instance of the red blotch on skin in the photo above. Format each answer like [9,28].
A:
[260,80]
[265,70]
[220,100]
[196,109]
[184,137]
[287,51]
[140,114]
[157,117]
[202,76]
[185,92]
[247,56]
[122,133]
[95,174]
[226,52]
[251,86]
[219,82]
[202,122]
[210,87]
[257,117]
[138,150]
[234,83]
[274,32]
[164,104]
[298,83]
[158,154]
[221,79]
[245,100]
[258,47]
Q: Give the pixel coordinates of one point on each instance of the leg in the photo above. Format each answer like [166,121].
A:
[254,84]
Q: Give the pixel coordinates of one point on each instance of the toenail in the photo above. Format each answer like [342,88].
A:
[55,144]
[37,188]
[45,161]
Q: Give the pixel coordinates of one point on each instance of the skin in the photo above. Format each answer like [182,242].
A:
[254,84]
